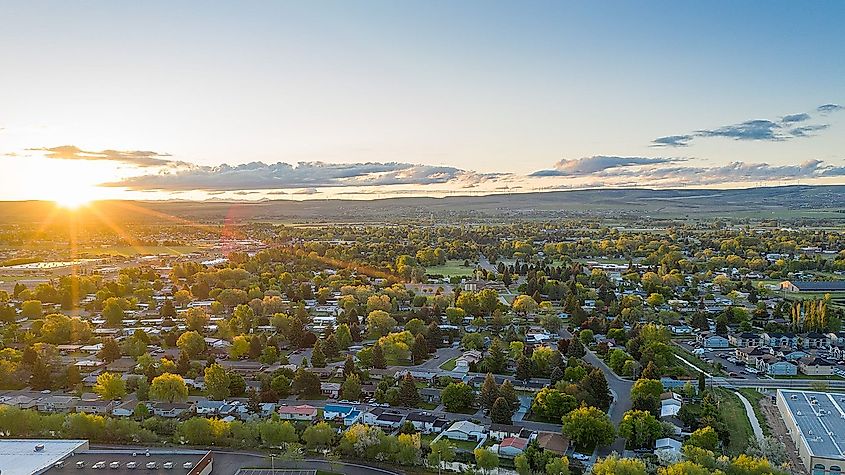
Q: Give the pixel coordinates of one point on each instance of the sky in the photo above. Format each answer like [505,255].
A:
[367,99]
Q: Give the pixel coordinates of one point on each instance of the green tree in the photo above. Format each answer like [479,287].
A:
[640,428]
[196,319]
[645,395]
[521,464]
[351,388]
[192,343]
[216,382]
[275,433]
[380,323]
[588,427]
[557,466]
[343,336]
[705,438]
[485,459]
[318,436]
[378,357]
[409,396]
[318,358]
[169,388]
[110,386]
[489,392]
[501,413]
[613,465]
[457,397]
[306,383]
[442,451]
[32,309]
[113,311]
[110,351]
[419,350]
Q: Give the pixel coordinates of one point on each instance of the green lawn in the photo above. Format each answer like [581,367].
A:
[465,445]
[733,413]
[449,365]
[755,397]
[452,268]
[695,361]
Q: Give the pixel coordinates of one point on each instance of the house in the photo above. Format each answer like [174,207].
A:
[170,410]
[503,431]
[389,420]
[336,411]
[95,407]
[331,390]
[781,368]
[462,364]
[429,376]
[430,395]
[207,407]
[743,340]
[815,366]
[670,404]
[669,444]
[510,447]
[124,410]
[57,404]
[780,340]
[425,422]
[465,430]
[298,413]
[814,340]
[553,442]
[751,355]
[711,340]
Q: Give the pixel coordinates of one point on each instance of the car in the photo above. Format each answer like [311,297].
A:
[582,457]
[80,464]
[99,465]
[168,465]
[152,465]
[188,465]
[131,465]
[46,391]
[344,401]
[114,464]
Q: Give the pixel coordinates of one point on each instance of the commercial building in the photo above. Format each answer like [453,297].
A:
[34,456]
[816,424]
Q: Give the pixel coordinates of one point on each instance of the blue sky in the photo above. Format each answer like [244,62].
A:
[443,96]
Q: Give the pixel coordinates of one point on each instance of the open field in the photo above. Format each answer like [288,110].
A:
[737,422]
[452,268]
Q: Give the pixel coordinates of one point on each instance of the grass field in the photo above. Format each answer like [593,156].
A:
[140,250]
[755,397]
[449,365]
[733,413]
[452,268]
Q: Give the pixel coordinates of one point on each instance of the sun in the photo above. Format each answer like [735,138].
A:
[74,197]
[72,201]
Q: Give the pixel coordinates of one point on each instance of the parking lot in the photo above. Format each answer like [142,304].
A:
[278,471]
[124,461]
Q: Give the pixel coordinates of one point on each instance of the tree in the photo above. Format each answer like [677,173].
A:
[419,350]
[650,371]
[497,358]
[557,466]
[702,383]
[169,388]
[455,316]
[110,386]
[524,305]
[196,319]
[167,309]
[32,309]
[521,464]
[705,438]
[318,436]
[613,465]
[380,323]
[216,382]
[72,377]
[306,383]
[378,357]
[113,311]
[523,368]
[192,343]
[318,358]
[409,396]
[552,404]
[351,388]
[485,459]
[683,468]
[41,377]
[596,388]
[457,397]
[141,411]
[645,395]
[343,336]
[281,385]
[640,428]
[507,391]
[274,433]
[349,367]
[110,351]
[240,347]
[441,451]
[588,427]
[489,392]
[501,413]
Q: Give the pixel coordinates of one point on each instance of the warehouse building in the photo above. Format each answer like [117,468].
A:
[816,424]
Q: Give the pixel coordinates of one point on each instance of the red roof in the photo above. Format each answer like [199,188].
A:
[303,410]
[516,442]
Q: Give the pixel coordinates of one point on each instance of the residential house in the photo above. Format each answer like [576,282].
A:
[815,366]
[503,431]
[95,407]
[297,413]
[208,407]
[743,340]
[668,444]
[670,404]
[57,404]
[553,442]
[781,368]
[510,447]
[751,355]
[331,390]
[389,420]
[125,410]
[463,362]
[465,430]
[712,340]
[430,395]
[336,411]
[425,422]
[170,410]
[780,340]
[814,340]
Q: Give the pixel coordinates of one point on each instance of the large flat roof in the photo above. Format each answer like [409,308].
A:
[820,418]
[19,457]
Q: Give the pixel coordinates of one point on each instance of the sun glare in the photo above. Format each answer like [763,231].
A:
[72,201]
[74,197]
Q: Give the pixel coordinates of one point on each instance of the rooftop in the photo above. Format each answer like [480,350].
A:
[820,418]
[22,457]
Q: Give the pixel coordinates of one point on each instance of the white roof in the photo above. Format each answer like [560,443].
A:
[19,457]
[466,427]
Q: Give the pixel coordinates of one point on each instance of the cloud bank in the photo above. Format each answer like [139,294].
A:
[777,130]
[138,158]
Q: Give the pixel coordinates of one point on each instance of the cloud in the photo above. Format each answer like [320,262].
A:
[262,176]
[138,158]
[828,108]
[777,130]
[598,163]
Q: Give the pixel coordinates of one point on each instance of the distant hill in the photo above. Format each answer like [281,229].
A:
[826,202]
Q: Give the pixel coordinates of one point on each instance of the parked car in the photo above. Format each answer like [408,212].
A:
[131,465]
[114,464]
